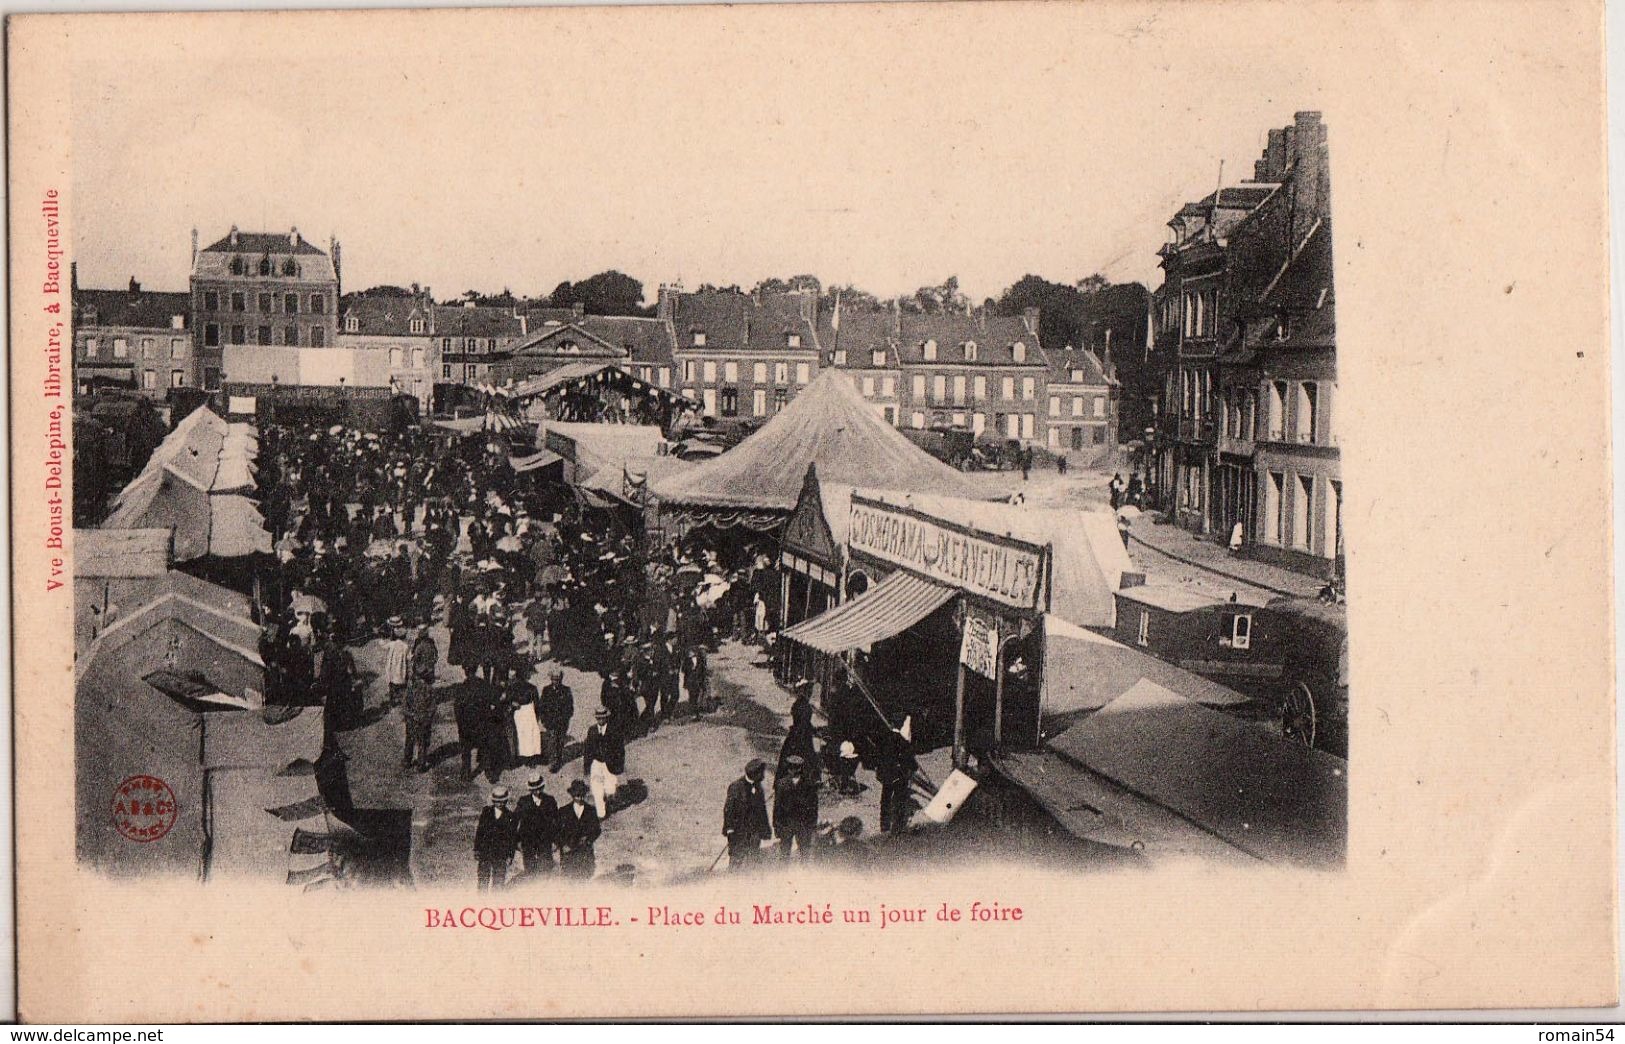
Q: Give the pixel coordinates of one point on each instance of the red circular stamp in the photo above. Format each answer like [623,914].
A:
[144,808]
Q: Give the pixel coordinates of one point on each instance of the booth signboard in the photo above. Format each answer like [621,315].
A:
[1002,569]
[978,649]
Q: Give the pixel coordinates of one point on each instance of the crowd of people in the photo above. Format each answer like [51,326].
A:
[381,536]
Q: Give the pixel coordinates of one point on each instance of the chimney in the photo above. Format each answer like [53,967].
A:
[135,287]
[338,272]
[73,277]
[666,300]
[1309,186]
[194,247]
[293,238]
[233,237]
[1030,317]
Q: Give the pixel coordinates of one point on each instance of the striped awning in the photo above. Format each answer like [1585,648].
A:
[888,609]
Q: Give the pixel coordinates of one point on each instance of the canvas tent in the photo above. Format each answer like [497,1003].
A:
[828,423]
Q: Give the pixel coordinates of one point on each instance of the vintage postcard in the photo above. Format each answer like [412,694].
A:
[952,508]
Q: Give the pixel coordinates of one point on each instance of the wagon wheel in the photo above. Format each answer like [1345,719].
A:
[1298,719]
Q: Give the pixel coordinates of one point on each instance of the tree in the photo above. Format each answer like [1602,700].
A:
[608,293]
[945,297]
[1093,284]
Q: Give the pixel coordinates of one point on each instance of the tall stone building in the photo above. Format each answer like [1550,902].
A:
[261,288]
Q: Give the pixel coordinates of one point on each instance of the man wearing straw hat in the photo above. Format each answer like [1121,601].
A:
[604,761]
[495,838]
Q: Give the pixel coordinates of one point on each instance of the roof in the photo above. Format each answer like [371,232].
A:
[884,611]
[737,322]
[1303,289]
[599,447]
[476,321]
[263,243]
[1085,670]
[386,316]
[859,335]
[120,552]
[648,341]
[1278,800]
[994,337]
[1063,361]
[221,628]
[828,424]
[143,308]
[1088,562]
[1170,597]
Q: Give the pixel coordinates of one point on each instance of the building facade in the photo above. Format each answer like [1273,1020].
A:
[474,338]
[402,327]
[985,373]
[1082,403]
[1245,329]
[132,338]
[864,346]
[743,357]
[263,289]
[641,346]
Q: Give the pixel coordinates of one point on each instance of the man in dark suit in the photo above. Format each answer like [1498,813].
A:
[795,807]
[536,820]
[744,817]
[555,707]
[422,656]
[579,828]
[603,760]
[495,839]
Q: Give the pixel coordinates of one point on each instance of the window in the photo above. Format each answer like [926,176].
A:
[1334,518]
[416,326]
[730,402]
[781,396]
[290,303]
[939,388]
[239,334]
[1028,388]
[1238,632]
[177,347]
[239,302]
[758,373]
[890,413]
[1077,405]
[1303,511]
[959,420]
[1028,423]
[1018,352]
[709,401]
[1100,435]
[1054,438]
[471,371]
[803,373]
[730,371]
[177,378]
[1144,636]
[264,302]
[970,351]
[91,346]
[318,304]
[211,335]
[710,372]
[1274,503]
[794,340]
[930,349]
[211,301]
[394,358]
[290,336]
[149,348]
[699,338]
[445,371]
[416,358]
[868,387]
[840,357]
[917,386]
[758,402]
[1275,421]
[318,337]
[211,378]
[289,268]
[264,336]
[978,422]
[1054,405]
[1007,388]
[888,387]
[1100,406]
[781,373]
[121,348]
[149,379]
[1077,376]
[237,266]
[665,377]
[265,266]
[1307,428]
[959,389]
[878,357]
[351,324]
[916,419]
[490,342]
[979,386]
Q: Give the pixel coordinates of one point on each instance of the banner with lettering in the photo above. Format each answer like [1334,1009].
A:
[1003,569]
[978,650]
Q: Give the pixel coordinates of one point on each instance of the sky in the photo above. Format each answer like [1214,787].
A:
[888,147]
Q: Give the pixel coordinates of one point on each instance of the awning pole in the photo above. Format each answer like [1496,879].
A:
[998,691]
[959,716]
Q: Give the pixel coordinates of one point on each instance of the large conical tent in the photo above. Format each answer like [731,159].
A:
[827,424]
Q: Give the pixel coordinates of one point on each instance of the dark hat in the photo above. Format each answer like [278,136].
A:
[851,826]
[579,789]
[556,673]
[755,766]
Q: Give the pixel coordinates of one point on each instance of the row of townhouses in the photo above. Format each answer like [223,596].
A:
[1245,337]
[742,357]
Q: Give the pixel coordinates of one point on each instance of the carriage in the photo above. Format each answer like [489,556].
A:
[1314,684]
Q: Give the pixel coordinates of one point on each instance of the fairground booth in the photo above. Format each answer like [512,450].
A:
[935,607]
[322,386]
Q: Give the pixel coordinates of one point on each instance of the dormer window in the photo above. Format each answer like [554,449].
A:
[970,351]
[289,268]
[417,326]
[1077,376]
[878,357]
[930,351]
[237,266]
[840,357]
[1018,352]
[265,266]
[794,340]
[569,348]
[699,338]
[351,324]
